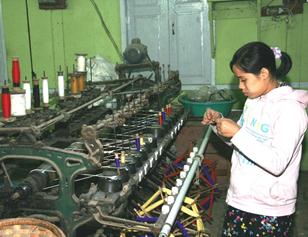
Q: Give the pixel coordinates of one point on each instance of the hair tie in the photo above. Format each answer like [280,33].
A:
[277,52]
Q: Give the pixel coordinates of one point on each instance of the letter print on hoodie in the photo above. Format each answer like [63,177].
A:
[266,158]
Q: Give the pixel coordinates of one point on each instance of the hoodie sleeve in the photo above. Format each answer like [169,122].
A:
[288,132]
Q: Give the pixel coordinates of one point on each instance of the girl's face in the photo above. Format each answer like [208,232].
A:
[251,85]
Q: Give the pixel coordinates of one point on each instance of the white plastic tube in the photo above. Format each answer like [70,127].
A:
[45,91]
[81,62]
[61,92]
[27,88]
[18,104]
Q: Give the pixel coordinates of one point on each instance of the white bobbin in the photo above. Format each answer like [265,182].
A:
[18,104]
[165,209]
[182,174]
[174,190]
[195,149]
[81,62]
[179,182]
[61,85]
[45,91]
[27,88]
[186,168]
[170,200]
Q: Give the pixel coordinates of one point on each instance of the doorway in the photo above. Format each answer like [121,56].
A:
[176,33]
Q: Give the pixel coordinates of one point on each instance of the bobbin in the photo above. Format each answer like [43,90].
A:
[27,89]
[45,90]
[74,84]
[81,62]
[15,71]
[36,94]
[6,103]
[18,102]
[61,85]
[81,81]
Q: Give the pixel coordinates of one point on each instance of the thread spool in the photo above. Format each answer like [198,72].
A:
[6,103]
[45,89]
[168,109]
[160,118]
[74,84]
[18,103]
[27,89]
[16,72]
[117,160]
[142,143]
[137,142]
[123,157]
[81,62]
[81,81]
[61,88]
[36,94]
[163,114]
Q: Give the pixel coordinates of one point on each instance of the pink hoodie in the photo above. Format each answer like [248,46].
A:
[267,154]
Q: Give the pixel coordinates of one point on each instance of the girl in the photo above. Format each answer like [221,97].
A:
[267,144]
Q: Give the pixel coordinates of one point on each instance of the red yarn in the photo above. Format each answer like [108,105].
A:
[6,103]
[160,119]
[16,72]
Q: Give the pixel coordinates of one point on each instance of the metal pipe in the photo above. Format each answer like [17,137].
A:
[205,141]
[88,103]
[126,84]
[132,92]
[182,193]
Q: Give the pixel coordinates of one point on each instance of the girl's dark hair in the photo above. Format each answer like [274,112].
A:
[254,56]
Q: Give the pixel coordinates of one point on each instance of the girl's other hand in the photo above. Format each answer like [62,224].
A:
[227,127]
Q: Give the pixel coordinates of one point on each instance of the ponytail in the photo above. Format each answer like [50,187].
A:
[285,65]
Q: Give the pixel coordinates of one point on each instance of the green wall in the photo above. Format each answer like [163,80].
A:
[237,22]
[57,35]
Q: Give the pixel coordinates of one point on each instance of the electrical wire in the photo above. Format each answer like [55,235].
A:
[107,30]
[29,39]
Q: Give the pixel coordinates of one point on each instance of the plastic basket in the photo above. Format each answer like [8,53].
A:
[197,109]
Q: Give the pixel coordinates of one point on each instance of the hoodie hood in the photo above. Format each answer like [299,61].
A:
[288,93]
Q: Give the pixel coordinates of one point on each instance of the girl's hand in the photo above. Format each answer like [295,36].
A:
[210,116]
[226,127]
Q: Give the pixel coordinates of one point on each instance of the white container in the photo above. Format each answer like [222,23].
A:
[18,104]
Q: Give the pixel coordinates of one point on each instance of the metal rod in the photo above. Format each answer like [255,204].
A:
[182,193]
[6,174]
[126,84]
[131,92]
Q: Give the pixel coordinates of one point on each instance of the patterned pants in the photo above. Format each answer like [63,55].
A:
[244,224]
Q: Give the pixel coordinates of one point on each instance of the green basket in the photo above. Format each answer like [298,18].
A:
[197,109]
